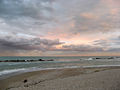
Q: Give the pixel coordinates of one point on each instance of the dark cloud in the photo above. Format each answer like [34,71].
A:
[10,44]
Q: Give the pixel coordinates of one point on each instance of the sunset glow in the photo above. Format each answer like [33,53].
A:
[59,27]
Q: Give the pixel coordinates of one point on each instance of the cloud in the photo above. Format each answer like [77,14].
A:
[12,44]
[45,15]
[25,8]
[102,45]
[26,15]
[22,22]
[81,48]
[25,45]
[102,18]
[110,44]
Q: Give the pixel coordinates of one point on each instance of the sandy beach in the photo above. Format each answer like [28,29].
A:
[105,78]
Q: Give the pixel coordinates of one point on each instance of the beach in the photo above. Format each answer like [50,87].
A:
[59,44]
[94,78]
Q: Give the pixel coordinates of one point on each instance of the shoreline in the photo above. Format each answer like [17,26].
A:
[37,77]
[34,69]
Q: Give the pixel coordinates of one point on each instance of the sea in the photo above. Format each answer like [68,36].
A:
[9,68]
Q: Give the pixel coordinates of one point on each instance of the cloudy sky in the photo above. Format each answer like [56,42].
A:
[59,27]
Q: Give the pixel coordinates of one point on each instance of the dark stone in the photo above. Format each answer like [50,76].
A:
[111,58]
[26,60]
[97,58]
[25,80]
[41,60]
[50,60]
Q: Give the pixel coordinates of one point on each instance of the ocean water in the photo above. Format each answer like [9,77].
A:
[59,62]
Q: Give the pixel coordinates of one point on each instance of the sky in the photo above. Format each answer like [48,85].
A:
[59,27]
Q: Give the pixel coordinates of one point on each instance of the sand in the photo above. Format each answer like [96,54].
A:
[107,78]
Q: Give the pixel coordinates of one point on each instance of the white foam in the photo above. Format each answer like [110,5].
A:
[89,59]
[5,72]
[11,71]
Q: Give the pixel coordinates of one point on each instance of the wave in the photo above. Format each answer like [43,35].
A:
[11,71]
[23,70]
[89,59]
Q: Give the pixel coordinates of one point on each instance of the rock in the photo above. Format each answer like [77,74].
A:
[46,60]
[26,60]
[97,58]
[25,80]
[110,58]
[41,60]
[50,60]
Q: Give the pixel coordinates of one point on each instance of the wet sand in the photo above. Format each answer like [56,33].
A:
[104,78]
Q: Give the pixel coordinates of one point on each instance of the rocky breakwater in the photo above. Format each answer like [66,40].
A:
[25,60]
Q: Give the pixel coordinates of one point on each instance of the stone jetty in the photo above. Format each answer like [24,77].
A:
[25,60]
